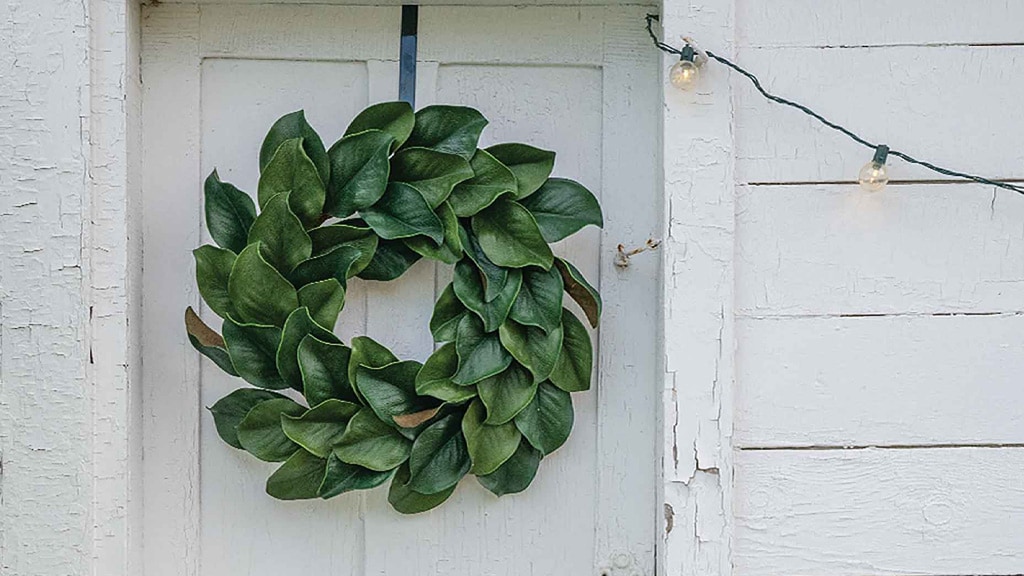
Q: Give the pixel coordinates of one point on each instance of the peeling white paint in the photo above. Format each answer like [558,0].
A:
[865,349]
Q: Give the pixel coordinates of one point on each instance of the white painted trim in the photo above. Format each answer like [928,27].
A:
[698,322]
[111,262]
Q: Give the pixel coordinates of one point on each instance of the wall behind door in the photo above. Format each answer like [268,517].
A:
[880,337]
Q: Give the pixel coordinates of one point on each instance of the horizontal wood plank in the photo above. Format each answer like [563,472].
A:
[283,32]
[954,106]
[877,22]
[834,249]
[879,381]
[558,35]
[877,511]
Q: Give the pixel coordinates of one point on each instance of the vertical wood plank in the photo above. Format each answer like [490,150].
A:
[114,256]
[627,388]
[46,400]
[699,294]
[557,105]
[171,189]
[241,98]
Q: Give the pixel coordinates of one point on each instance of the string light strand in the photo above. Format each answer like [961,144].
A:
[874,171]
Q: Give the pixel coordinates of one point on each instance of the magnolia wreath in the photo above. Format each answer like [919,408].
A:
[493,398]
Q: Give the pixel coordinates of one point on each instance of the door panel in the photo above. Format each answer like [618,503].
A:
[572,80]
[240,99]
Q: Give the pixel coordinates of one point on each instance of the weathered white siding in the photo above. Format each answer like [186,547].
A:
[67,430]
[842,384]
[879,344]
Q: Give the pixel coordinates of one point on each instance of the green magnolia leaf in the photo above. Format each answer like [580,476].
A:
[432,173]
[516,474]
[580,290]
[448,311]
[291,126]
[489,446]
[394,118]
[439,458]
[390,261]
[372,444]
[531,166]
[509,236]
[328,238]
[469,288]
[367,352]
[299,325]
[260,432]
[324,299]
[391,390]
[532,348]
[299,478]
[337,264]
[481,354]
[229,213]
[506,394]
[359,172]
[284,242]
[324,367]
[229,411]
[259,294]
[407,501]
[342,477]
[490,180]
[402,213]
[253,352]
[292,173]
[572,371]
[450,250]
[494,277]
[207,341]
[435,377]
[451,129]
[213,268]
[562,207]
[539,302]
[320,428]
[547,421]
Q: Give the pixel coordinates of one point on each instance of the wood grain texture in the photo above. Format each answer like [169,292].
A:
[828,249]
[878,511]
[896,380]
[938,103]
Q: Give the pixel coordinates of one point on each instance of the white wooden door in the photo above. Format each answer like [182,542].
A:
[581,81]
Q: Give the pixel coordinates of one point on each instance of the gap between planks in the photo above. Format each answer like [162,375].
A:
[745,315]
[838,447]
[881,45]
[946,182]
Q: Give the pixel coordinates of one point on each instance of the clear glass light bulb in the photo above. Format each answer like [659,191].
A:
[684,75]
[873,176]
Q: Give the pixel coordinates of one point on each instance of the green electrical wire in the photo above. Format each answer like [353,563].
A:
[687,53]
